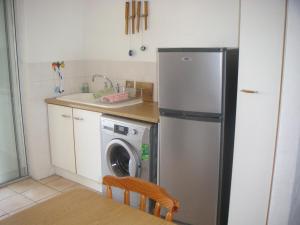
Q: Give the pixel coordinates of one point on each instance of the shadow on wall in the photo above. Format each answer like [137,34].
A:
[294,218]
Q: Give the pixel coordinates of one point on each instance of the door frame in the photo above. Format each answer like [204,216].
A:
[9,11]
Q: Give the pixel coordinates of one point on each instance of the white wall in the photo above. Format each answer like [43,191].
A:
[172,23]
[286,183]
[73,30]
[89,36]
[65,29]
[54,30]
[46,31]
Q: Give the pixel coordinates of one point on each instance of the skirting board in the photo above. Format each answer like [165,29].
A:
[79,179]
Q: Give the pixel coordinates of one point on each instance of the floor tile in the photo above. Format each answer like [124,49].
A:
[49,179]
[13,203]
[61,184]
[2,213]
[23,185]
[39,192]
[23,208]
[5,193]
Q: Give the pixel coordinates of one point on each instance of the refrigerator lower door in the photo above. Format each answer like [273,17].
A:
[189,167]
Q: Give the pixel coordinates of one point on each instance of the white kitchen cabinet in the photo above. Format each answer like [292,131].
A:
[260,65]
[61,137]
[87,138]
[75,140]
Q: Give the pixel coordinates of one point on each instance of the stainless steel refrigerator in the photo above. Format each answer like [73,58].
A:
[197,101]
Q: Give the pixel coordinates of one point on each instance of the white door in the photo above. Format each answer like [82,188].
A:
[61,137]
[261,53]
[87,143]
[285,201]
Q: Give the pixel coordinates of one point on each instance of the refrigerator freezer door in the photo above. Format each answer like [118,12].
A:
[189,167]
[190,81]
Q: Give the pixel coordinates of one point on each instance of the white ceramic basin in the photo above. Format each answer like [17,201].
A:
[88,98]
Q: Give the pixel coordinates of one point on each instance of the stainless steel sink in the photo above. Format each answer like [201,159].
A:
[89,99]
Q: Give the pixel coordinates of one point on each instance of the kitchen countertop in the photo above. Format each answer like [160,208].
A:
[146,111]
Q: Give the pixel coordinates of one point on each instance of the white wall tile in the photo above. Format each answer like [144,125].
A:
[38,83]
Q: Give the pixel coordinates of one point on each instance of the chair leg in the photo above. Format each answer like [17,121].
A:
[108,191]
[169,216]
[142,202]
[157,209]
[126,197]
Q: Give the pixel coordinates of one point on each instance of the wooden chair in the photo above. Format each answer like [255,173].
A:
[146,190]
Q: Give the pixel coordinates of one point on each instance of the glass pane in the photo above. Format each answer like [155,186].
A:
[9,168]
[119,161]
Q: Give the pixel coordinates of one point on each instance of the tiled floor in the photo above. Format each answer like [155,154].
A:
[26,193]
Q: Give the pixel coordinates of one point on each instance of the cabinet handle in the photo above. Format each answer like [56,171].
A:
[249,91]
[78,118]
[65,116]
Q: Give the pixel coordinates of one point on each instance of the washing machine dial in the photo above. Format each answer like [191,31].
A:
[134,132]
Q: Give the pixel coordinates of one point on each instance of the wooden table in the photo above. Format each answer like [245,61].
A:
[82,207]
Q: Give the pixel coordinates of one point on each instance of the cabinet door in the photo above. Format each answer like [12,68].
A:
[61,137]
[260,65]
[87,143]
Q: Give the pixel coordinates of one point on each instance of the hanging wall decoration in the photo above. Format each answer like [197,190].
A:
[57,67]
[136,27]
[135,14]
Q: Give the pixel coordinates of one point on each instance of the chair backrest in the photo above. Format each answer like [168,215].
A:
[146,190]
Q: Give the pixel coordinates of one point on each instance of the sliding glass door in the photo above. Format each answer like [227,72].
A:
[12,151]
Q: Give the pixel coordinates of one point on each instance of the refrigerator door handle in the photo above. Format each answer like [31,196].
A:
[249,91]
[199,116]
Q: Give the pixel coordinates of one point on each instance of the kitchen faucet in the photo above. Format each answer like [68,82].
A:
[104,77]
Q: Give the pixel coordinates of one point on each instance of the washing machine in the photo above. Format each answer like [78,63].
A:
[129,148]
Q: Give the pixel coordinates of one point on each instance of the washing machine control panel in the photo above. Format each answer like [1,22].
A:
[113,127]
[121,129]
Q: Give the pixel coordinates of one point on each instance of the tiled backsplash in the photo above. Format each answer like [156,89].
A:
[120,71]
[38,81]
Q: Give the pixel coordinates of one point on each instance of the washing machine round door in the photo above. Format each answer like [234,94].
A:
[122,160]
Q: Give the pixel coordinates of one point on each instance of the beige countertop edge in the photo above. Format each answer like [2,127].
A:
[146,111]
